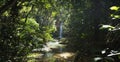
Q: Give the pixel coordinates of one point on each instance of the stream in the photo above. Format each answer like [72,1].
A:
[54,51]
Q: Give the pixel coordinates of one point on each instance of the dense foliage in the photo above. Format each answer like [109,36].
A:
[95,26]
[24,25]
[89,26]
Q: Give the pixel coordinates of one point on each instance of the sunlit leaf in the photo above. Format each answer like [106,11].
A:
[54,13]
[116,16]
[111,15]
[25,9]
[114,8]
[47,5]
[6,13]
[109,27]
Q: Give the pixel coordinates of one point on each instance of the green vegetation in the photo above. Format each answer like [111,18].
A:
[89,26]
[31,57]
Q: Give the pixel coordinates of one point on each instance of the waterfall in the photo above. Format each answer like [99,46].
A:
[61,30]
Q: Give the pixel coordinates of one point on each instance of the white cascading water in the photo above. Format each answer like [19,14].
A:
[61,30]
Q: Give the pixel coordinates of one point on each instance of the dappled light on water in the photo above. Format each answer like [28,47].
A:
[64,55]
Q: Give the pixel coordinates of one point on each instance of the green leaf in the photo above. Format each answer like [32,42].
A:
[114,8]
[116,16]
[106,26]
[54,13]
[47,5]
